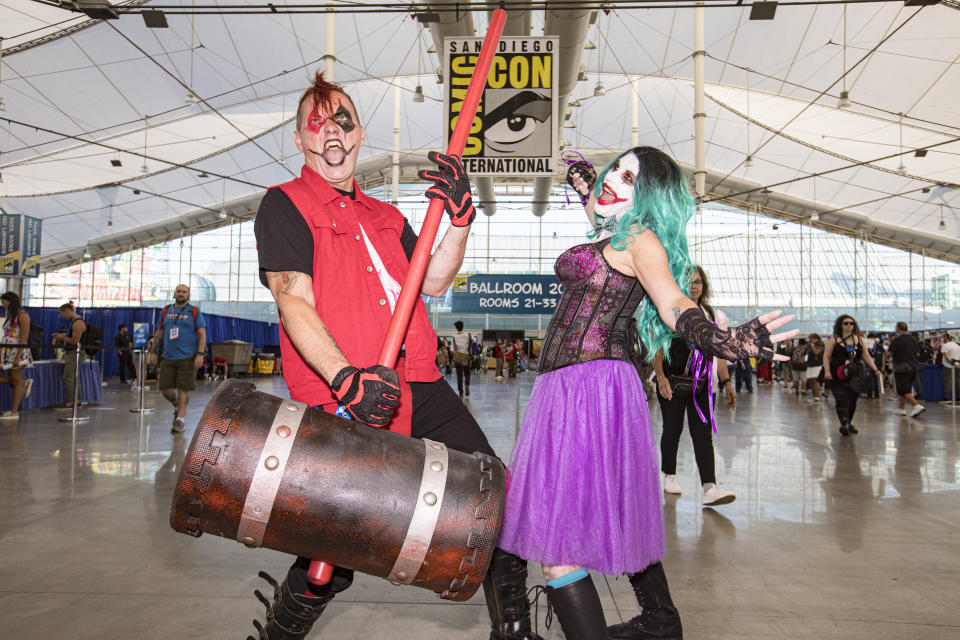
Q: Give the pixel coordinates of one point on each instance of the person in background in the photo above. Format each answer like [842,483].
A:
[125,355]
[875,349]
[744,374]
[462,344]
[798,366]
[950,359]
[903,350]
[183,335]
[70,337]
[814,366]
[498,356]
[16,330]
[674,403]
[844,345]
[510,355]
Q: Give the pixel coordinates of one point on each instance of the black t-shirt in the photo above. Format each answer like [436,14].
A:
[903,348]
[284,239]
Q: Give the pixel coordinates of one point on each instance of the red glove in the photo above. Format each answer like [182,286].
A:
[370,395]
[452,185]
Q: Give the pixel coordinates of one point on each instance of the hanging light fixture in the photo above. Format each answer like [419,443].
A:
[223,199]
[748,162]
[418,92]
[815,216]
[86,254]
[599,90]
[902,169]
[2,107]
[144,168]
[191,97]
[223,214]
[943,225]
[844,101]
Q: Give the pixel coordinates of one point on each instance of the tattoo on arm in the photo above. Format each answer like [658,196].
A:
[289,280]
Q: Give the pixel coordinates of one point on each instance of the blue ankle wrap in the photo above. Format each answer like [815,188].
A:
[568,578]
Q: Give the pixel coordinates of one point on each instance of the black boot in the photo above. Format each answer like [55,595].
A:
[578,609]
[505,587]
[659,618]
[296,604]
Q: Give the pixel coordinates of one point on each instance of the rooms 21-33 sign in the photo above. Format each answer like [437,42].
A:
[506,294]
[515,130]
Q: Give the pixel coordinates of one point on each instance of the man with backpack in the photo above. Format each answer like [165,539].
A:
[181,341]
[70,337]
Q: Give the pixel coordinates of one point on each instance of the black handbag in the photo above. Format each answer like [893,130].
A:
[683,385]
[858,376]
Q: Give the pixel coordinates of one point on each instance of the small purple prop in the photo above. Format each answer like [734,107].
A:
[703,365]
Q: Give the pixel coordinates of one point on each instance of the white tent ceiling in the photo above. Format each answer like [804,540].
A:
[76,102]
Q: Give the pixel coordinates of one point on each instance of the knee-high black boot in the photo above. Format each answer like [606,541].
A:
[659,619]
[577,606]
[505,587]
[295,607]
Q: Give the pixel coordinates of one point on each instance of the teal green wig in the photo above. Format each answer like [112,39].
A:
[662,203]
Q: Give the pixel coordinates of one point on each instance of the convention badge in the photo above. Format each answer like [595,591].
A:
[174,333]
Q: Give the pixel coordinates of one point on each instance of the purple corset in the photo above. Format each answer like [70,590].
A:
[590,322]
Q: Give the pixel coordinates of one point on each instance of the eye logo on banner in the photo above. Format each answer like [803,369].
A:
[515,131]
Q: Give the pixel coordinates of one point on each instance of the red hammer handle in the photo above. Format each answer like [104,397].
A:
[319,572]
[410,290]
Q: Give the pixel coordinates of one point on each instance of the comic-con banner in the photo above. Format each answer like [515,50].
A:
[515,131]
[20,245]
[502,293]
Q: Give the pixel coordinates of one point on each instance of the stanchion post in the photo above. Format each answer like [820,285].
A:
[141,381]
[76,391]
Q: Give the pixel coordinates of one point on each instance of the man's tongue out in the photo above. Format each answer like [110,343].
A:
[334,155]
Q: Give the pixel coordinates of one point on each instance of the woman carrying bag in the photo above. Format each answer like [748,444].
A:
[845,369]
[676,396]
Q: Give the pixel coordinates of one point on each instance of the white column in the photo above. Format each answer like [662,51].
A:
[395,174]
[699,115]
[328,56]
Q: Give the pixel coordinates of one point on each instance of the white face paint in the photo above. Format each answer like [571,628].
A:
[617,196]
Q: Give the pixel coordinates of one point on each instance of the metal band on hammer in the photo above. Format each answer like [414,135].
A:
[425,514]
[269,472]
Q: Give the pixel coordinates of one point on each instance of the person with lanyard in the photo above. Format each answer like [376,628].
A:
[843,346]
[903,350]
[333,258]
[677,397]
[16,330]
[586,433]
[70,337]
[181,341]
[462,345]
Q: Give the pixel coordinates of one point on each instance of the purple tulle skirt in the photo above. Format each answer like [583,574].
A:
[585,485]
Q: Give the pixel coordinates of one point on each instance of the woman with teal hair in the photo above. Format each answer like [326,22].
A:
[585,490]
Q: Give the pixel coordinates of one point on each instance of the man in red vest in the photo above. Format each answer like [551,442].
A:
[334,259]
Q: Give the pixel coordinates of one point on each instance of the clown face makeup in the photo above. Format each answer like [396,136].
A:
[330,142]
[617,196]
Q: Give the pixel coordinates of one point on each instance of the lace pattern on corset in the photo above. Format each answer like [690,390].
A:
[590,322]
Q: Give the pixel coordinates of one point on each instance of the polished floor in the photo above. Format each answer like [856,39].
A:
[829,537]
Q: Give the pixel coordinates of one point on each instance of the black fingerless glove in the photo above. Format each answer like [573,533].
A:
[370,395]
[451,185]
[582,170]
[750,340]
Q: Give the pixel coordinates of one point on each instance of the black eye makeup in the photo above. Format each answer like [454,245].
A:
[344,120]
